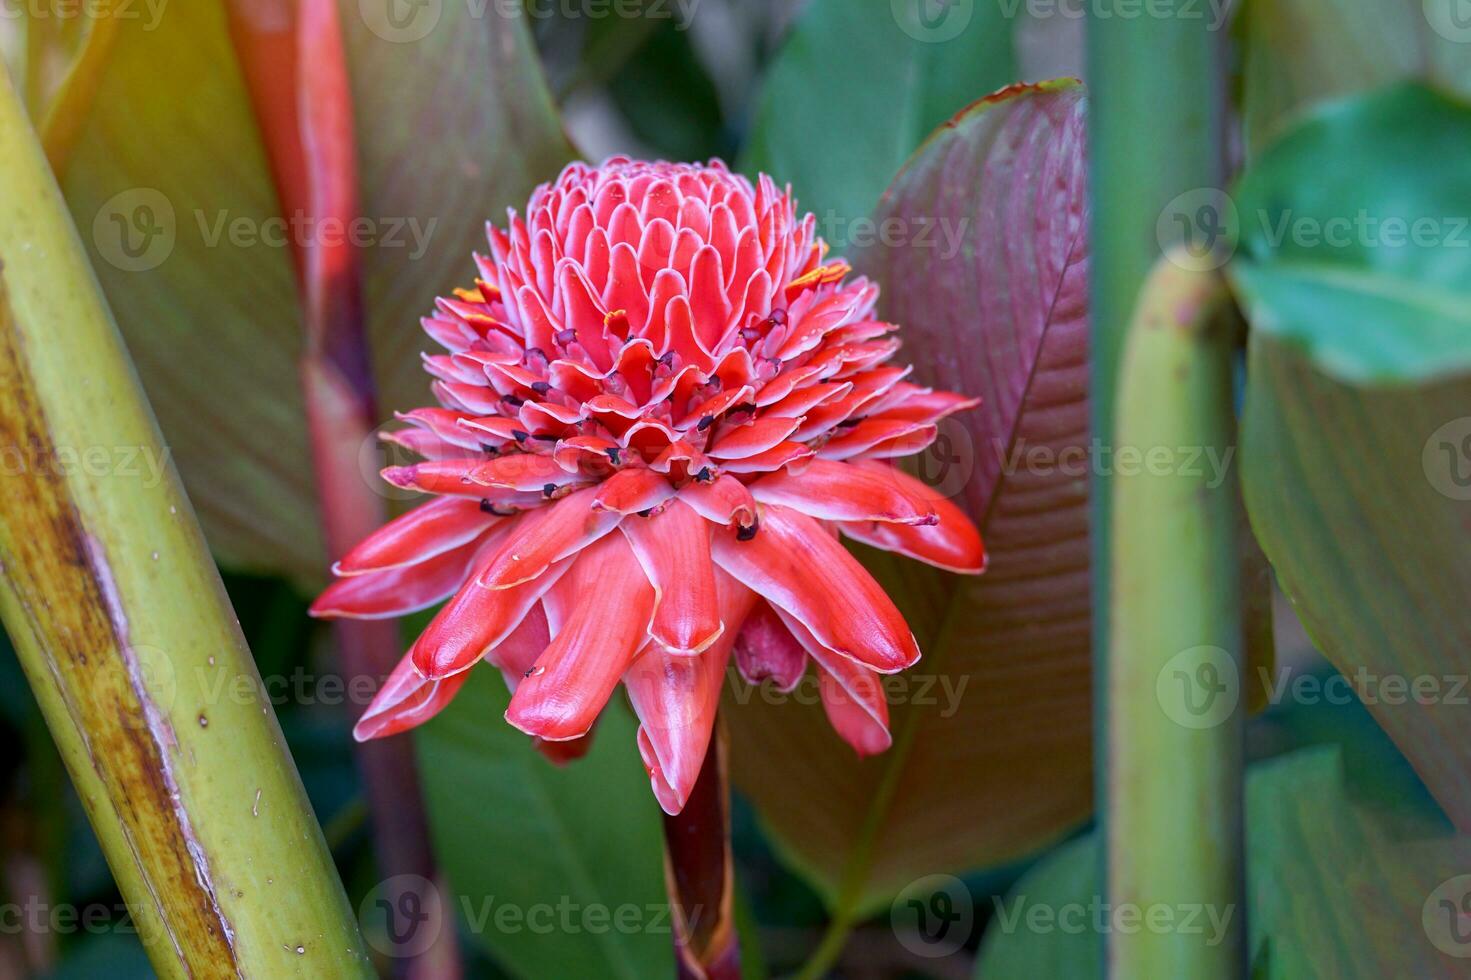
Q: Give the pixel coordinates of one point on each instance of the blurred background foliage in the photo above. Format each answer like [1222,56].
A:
[834,97]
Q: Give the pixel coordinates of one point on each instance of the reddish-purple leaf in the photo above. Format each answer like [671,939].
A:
[982,254]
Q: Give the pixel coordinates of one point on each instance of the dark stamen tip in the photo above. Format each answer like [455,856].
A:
[705,423]
[746,532]
[549,489]
[521,435]
[612,452]
[704,476]
[541,387]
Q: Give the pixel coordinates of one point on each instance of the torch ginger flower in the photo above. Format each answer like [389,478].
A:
[658,409]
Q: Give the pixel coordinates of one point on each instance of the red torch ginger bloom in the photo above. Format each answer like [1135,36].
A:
[658,409]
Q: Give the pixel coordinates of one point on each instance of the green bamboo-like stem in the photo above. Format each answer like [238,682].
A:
[126,635]
[1174,687]
[1156,119]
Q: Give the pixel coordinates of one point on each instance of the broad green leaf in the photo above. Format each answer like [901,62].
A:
[172,195]
[1355,241]
[1045,926]
[992,757]
[1361,499]
[1340,883]
[1300,52]
[558,872]
[178,205]
[858,85]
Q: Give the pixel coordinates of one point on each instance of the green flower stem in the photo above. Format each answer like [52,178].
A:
[126,635]
[1156,123]
[1174,686]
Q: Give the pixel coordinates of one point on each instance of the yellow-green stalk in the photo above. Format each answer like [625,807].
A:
[126,635]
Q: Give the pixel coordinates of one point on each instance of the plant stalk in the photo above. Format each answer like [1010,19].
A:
[296,73]
[1156,125]
[700,874]
[1175,686]
[125,633]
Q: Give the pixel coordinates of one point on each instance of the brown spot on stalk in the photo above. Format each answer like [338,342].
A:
[65,602]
